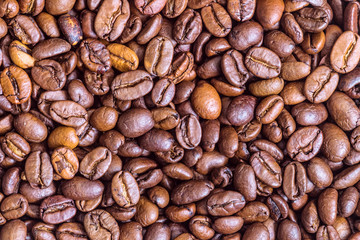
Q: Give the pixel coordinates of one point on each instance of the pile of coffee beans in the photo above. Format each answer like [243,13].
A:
[179,119]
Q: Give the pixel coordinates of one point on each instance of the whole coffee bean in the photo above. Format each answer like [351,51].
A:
[20,54]
[125,189]
[256,231]
[68,113]
[14,206]
[305,143]
[310,218]
[15,84]
[320,84]
[99,224]
[191,191]
[346,45]
[70,27]
[131,85]
[240,37]
[63,136]
[158,56]
[10,181]
[15,146]
[266,168]
[292,71]
[347,177]
[79,94]
[308,19]
[216,20]
[135,122]
[122,58]
[295,181]
[25,29]
[188,132]
[225,203]
[279,42]
[269,13]
[200,226]
[104,118]
[343,110]
[263,88]
[319,173]
[278,207]
[43,231]
[36,194]
[244,181]
[288,229]
[187,26]
[348,201]
[48,25]
[38,169]
[79,188]
[206,101]
[147,212]
[95,163]
[30,127]
[307,114]
[292,28]
[150,8]
[71,230]
[53,46]
[57,209]
[263,62]
[269,109]
[232,65]
[327,205]
[49,74]
[7,231]
[336,144]
[65,162]
[111,19]
[91,51]
[241,10]
[131,30]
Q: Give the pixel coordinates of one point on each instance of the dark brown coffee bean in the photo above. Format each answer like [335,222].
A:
[99,224]
[216,20]
[38,169]
[132,85]
[111,19]
[263,62]
[305,143]
[125,189]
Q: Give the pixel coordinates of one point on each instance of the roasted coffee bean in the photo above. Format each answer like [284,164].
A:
[70,27]
[132,85]
[38,169]
[266,168]
[99,224]
[49,75]
[305,143]
[94,55]
[111,19]
[263,63]
[344,54]
[216,20]
[57,209]
[20,54]
[125,189]
[15,146]
[25,29]
[68,113]
[15,84]
[65,162]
